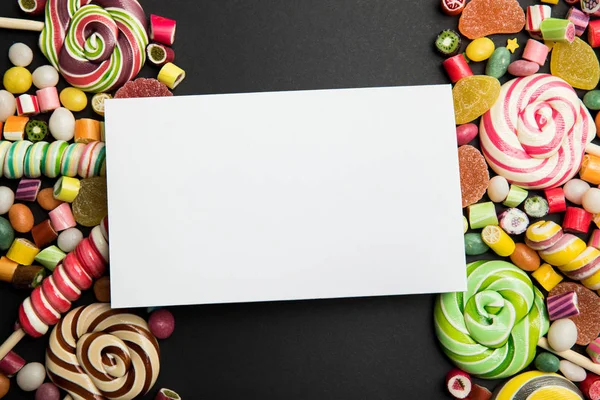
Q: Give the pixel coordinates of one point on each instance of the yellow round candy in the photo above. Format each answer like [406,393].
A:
[17,80]
[480,49]
[73,99]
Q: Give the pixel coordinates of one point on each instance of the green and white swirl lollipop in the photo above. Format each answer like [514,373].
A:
[492,329]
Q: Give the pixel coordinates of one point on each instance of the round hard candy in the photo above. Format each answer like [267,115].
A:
[21,218]
[523,68]
[17,80]
[588,320]
[547,362]
[73,99]
[7,234]
[591,201]
[562,335]
[69,239]
[571,371]
[161,323]
[8,105]
[498,189]
[46,200]
[62,124]
[465,133]
[480,49]
[575,189]
[20,55]
[45,76]
[48,391]
[31,376]
[7,199]
[102,289]
[497,64]
[592,100]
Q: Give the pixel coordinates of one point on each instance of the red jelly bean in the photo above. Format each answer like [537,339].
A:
[161,323]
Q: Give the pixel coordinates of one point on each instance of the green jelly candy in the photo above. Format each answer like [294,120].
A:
[497,64]
[474,244]
[547,362]
[592,100]
[7,234]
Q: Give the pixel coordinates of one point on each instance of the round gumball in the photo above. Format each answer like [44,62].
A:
[8,105]
[17,80]
[575,189]
[161,323]
[562,334]
[73,99]
[62,124]
[7,199]
[45,76]
[31,376]
[591,201]
[498,189]
[69,239]
[20,55]
[48,391]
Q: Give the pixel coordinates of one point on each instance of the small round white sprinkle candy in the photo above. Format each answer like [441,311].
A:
[20,54]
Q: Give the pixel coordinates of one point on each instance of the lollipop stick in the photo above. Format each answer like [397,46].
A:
[21,24]
[572,356]
[593,149]
[11,342]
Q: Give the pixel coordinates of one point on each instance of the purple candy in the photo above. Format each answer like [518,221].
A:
[562,306]
[48,391]
[28,189]
[161,323]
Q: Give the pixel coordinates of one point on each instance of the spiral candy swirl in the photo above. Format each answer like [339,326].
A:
[97,47]
[536,133]
[492,330]
[96,353]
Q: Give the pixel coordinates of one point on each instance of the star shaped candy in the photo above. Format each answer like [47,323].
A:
[512,45]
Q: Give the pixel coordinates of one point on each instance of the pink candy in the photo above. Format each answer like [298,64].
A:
[27,105]
[48,99]
[465,133]
[535,16]
[62,217]
[535,51]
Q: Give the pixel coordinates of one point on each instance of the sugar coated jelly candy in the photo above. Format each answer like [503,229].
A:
[576,63]
[480,49]
[497,64]
[487,17]
[473,96]
[91,205]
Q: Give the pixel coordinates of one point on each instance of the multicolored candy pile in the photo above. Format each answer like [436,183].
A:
[58,159]
[529,174]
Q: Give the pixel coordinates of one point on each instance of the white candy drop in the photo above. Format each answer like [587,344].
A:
[562,334]
[45,76]
[62,124]
[69,239]
[572,372]
[7,199]
[575,189]
[591,201]
[20,54]
[8,105]
[31,376]
[498,189]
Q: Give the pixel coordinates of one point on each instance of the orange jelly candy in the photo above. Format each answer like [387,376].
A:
[487,17]
[473,96]
[576,63]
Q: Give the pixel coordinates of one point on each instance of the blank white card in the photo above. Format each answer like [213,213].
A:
[283,196]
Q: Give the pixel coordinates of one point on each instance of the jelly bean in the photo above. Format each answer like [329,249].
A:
[48,391]
[31,376]
[591,201]
[62,124]
[480,49]
[46,200]
[161,323]
[102,289]
[592,100]
[547,362]
[21,218]
[73,99]
[498,62]
[7,234]
[575,189]
[17,80]
[571,371]
[525,258]
[4,385]
[465,133]
[523,68]
[498,189]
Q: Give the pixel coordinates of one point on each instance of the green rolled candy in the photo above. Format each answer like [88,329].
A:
[491,330]
[50,257]
[474,244]
[482,215]
[516,195]
[558,30]
[497,64]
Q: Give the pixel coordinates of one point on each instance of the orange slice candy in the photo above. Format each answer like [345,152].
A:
[576,63]
[473,96]
[488,17]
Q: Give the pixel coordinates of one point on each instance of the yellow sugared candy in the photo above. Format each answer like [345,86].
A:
[73,99]
[576,63]
[473,96]
[498,240]
[480,49]
[17,80]
[547,277]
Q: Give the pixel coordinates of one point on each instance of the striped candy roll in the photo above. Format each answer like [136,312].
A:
[562,306]
[48,99]
[593,350]
[564,251]
[28,189]
[536,132]
[491,331]
[32,164]
[52,161]
[96,47]
[535,15]
[536,385]
[27,105]
[543,235]
[92,160]
[579,19]
[95,353]
[70,160]
[14,159]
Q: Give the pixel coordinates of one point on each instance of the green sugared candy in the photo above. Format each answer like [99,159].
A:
[547,362]
[592,100]
[497,64]
[474,244]
[7,234]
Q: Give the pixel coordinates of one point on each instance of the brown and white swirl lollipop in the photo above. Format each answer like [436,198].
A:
[96,352]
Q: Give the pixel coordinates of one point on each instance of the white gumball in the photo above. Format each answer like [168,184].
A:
[8,105]
[591,201]
[20,54]
[45,76]
[69,239]
[31,376]
[62,124]
[575,189]
[498,189]
[7,199]
[562,334]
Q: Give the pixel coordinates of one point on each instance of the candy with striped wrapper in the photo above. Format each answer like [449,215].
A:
[28,189]
[562,306]
[27,105]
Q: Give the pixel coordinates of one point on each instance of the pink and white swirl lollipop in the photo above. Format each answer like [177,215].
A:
[97,45]
[536,133]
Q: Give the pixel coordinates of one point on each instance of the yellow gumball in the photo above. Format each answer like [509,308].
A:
[480,49]
[73,99]
[17,80]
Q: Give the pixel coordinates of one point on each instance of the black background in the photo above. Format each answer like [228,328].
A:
[369,348]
